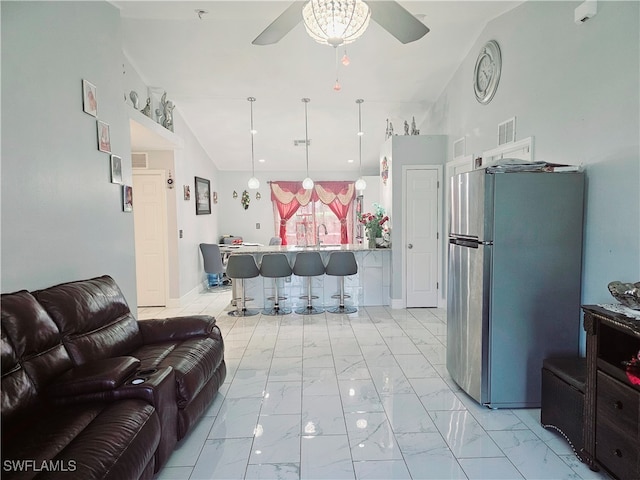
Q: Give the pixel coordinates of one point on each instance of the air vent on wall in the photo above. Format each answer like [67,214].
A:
[507,131]
[139,160]
[458,148]
[298,143]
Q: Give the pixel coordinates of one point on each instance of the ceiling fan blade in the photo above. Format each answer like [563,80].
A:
[281,25]
[398,21]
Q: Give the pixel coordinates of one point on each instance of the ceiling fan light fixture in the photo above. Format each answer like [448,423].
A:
[336,22]
[361,184]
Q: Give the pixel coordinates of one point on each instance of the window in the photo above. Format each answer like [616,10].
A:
[300,213]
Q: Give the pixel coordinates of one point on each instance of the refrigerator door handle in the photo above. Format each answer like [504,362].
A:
[465,243]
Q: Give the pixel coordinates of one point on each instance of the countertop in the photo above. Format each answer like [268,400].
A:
[352,247]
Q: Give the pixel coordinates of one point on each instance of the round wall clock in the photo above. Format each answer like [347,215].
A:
[486,75]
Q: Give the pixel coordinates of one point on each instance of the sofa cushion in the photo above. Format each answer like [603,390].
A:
[93,317]
[96,440]
[32,354]
[194,360]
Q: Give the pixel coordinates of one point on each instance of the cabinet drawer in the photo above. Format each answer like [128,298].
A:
[617,405]
[617,452]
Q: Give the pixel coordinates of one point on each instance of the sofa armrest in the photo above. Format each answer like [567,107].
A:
[93,377]
[176,328]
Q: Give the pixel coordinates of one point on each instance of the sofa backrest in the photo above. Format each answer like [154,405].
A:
[32,354]
[93,317]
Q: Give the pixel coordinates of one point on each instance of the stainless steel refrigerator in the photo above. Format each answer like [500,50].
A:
[513,299]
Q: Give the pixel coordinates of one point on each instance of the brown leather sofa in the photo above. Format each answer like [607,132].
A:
[90,392]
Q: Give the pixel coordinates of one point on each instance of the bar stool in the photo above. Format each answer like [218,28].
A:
[341,264]
[308,264]
[240,267]
[275,265]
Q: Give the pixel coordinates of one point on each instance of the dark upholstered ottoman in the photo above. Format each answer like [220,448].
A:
[562,407]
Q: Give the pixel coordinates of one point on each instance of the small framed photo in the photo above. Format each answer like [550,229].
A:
[89,98]
[127,198]
[116,169]
[187,192]
[104,137]
[203,196]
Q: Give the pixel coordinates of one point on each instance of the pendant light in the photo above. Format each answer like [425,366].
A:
[360,183]
[307,183]
[253,183]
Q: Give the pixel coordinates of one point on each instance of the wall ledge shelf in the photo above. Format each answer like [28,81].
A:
[149,135]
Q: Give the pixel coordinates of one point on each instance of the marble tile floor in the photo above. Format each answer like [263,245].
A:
[363,396]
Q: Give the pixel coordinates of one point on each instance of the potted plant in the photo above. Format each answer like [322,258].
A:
[374,224]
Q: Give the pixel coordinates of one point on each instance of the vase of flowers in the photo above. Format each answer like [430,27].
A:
[374,224]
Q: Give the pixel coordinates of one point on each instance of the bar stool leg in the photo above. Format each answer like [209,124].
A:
[276,309]
[342,308]
[309,309]
[242,310]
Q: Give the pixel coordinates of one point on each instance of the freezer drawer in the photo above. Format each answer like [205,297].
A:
[467,316]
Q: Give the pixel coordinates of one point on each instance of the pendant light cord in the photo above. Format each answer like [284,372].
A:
[253,173]
[359,102]
[306,132]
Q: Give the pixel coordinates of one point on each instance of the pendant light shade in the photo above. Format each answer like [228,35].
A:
[307,183]
[360,183]
[253,183]
[336,22]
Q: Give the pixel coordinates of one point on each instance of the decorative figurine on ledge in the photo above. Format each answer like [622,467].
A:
[414,130]
[406,127]
[147,109]
[133,95]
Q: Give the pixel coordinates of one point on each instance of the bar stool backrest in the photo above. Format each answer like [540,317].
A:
[308,264]
[242,266]
[342,263]
[275,265]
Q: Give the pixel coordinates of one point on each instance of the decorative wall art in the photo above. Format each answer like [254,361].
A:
[384,170]
[89,98]
[187,192]
[104,137]
[203,196]
[215,197]
[127,198]
[245,200]
[116,169]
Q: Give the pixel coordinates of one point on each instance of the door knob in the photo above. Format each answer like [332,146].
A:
[410,246]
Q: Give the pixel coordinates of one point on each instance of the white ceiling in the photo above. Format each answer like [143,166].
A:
[209,67]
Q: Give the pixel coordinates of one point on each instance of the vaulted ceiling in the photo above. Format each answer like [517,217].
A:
[208,67]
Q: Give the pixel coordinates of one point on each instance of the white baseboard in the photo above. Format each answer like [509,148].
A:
[185,299]
[398,303]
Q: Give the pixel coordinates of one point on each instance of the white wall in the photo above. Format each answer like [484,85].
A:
[575,89]
[62,219]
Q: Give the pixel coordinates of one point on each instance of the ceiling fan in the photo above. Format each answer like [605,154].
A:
[390,15]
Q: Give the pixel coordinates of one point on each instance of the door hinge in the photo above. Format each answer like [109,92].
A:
[437,235]
[437,285]
[437,183]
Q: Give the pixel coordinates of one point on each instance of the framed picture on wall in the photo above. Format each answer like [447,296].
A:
[127,198]
[89,98]
[203,196]
[104,137]
[116,169]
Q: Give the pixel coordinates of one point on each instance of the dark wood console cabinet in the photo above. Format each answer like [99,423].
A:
[612,402]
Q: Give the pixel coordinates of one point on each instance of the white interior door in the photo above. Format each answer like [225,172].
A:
[150,219]
[421,227]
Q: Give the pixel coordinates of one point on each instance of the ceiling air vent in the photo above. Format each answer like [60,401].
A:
[298,143]
[507,131]
[139,160]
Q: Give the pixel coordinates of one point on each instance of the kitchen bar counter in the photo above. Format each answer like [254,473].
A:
[369,287]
